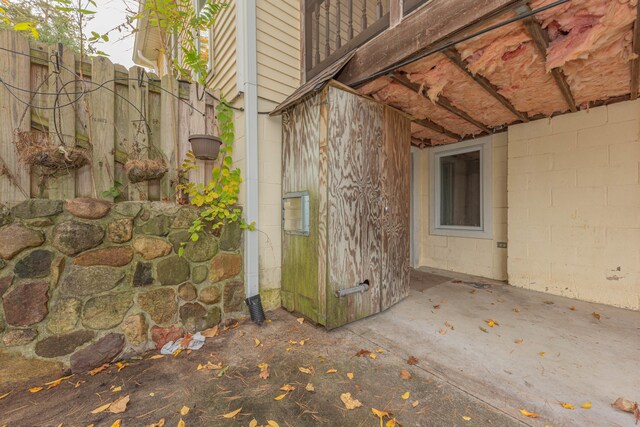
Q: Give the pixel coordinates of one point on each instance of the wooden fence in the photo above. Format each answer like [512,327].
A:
[114,113]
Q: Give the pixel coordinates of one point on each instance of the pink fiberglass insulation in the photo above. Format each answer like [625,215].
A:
[423,133]
[508,58]
[374,86]
[440,76]
[592,41]
[418,106]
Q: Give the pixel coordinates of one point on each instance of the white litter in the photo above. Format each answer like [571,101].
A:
[196,343]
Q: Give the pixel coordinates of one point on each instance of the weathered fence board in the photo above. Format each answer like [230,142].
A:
[114,113]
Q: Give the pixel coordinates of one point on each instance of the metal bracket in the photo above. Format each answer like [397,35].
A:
[360,287]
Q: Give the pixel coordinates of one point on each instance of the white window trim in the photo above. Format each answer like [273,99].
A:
[211,59]
[485,231]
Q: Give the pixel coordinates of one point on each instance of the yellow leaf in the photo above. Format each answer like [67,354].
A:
[405,395]
[232,413]
[57,382]
[253,423]
[184,411]
[272,423]
[292,342]
[304,370]
[256,341]
[78,383]
[35,389]
[2,396]
[287,387]
[121,366]
[566,405]
[519,341]
[98,369]
[379,350]
[466,418]
[380,414]
[156,356]
[415,403]
[350,375]
[119,405]
[529,414]
[302,342]
[491,323]
[350,402]
[586,405]
[373,355]
[332,371]
[280,397]
[181,423]
[541,354]
[158,424]
[309,387]
[116,423]
[177,352]
[596,315]
[116,389]
[101,408]
[300,320]
[391,423]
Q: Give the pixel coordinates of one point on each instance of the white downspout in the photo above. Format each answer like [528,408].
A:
[248,82]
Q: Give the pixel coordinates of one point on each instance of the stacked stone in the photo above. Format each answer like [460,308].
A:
[85,282]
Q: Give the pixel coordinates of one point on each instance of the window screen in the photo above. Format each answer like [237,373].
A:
[295,213]
[460,190]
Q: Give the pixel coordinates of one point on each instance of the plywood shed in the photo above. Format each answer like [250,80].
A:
[345,184]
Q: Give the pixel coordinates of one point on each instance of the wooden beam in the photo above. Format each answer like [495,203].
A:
[635,63]
[425,27]
[421,143]
[437,128]
[454,57]
[395,12]
[442,102]
[541,40]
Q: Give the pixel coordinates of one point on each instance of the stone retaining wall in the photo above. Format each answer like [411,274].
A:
[84,282]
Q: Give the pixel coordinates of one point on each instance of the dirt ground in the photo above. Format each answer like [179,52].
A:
[158,388]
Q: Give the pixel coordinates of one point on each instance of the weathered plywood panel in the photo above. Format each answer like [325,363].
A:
[300,158]
[102,124]
[14,181]
[354,240]
[169,135]
[395,177]
[138,132]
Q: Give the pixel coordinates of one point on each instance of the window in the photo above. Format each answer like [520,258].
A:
[204,41]
[295,213]
[460,197]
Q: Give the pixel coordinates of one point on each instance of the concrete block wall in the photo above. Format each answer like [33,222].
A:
[574,205]
[474,256]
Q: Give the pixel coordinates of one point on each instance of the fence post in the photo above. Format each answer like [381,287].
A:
[169,135]
[138,147]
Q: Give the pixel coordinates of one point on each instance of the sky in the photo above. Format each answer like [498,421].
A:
[109,14]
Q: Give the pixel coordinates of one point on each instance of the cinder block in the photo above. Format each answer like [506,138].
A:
[555,143]
[624,196]
[609,134]
[552,179]
[623,174]
[610,216]
[529,130]
[517,182]
[517,148]
[437,241]
[623,238]
[500,139]
[561,216]
[578,236]
[623,111]
[593,157]
[535,197]
[579,120]
[578,196]
[530,233]
[535,163]
[626,153]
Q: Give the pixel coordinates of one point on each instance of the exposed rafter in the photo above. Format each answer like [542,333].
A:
[442,102]
[635,63]
[541,40]
[426,123]
[421,143]
[454,57]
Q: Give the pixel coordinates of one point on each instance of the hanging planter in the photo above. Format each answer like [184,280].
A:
[35,149]
[145,170]
[205,147]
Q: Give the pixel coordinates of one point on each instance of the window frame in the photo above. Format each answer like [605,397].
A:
[305,210]
[485,230]
[210,60]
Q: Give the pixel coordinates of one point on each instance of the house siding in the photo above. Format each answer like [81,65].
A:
[224,51]
[574,205]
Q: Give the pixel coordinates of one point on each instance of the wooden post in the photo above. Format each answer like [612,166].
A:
[138,136]
[102,124]
[169,135]
[395,12]
[197,125]
[62,119]
[14,69]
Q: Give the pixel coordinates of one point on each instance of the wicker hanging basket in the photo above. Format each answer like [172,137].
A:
[35,149]
[145,170]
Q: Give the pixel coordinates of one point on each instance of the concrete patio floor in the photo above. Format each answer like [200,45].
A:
[566,353]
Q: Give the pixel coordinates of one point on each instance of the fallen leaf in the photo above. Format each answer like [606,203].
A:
[118,422]
[405,375]
[412,360]
[529,414]
[158,424]
[549,302]
[177,352]
[586,405]
[443,331]
[115,389]
[379,350]
[405,395]
[300,320]
[305,370]
[332,371]
[627,406]
[572,308]
[380,414]
[157,356]
[184,411]
[566,405]
[2,396]
[363,352]
[209,366]
[466,418]
[373,356]
[491,323]
[57,382]
[232,413]
[350,375]
[181,423]
[287,387]
[483,330]
[350,402]
[253,423]
[35,389]
[256,341]
[437,306]
[264,371]
[515,310]
[302,342]
[596,315]
[288,349]
[519,341]
[98,369]
[100,409]
[292,342]
[119,405]
[542,353]
[309,387]
[280,396]
[391,423]
[223,371]
[78,383]
[211,332]
[121,365]
[272,423]
[415,403]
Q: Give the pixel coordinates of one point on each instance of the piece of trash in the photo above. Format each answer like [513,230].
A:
[627,406]
[195,343]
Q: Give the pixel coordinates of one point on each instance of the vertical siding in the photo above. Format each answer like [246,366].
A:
[278,27]
[224,51]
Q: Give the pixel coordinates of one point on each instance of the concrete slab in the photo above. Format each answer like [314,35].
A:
[566,353]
